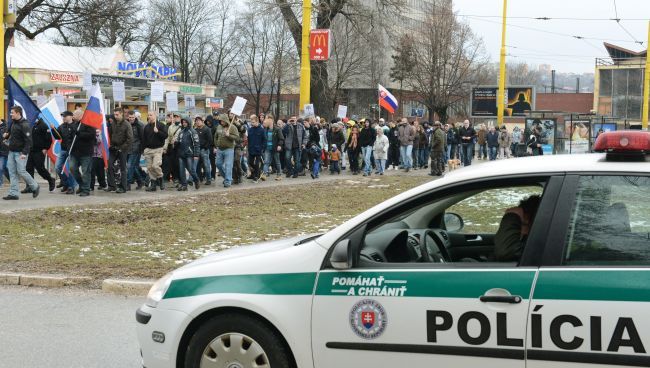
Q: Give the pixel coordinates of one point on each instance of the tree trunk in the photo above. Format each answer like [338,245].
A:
[401,99]
[442,113]
[319,88]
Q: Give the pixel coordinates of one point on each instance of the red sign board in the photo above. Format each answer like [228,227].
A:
[64,77]
[319,44]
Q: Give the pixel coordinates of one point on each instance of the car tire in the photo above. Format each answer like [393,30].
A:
[213,341]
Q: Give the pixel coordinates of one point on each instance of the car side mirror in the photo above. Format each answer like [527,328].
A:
[340,258]
[453,222]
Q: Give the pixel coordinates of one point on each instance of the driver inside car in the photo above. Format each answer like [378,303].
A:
[510,239]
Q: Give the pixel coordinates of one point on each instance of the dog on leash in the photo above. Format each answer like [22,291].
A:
[453,164]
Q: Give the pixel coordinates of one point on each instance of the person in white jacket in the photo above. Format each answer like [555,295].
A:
[380,151]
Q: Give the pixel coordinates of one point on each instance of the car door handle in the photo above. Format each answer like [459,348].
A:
[477,239]
[510,299]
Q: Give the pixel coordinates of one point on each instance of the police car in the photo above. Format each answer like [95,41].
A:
[414,281]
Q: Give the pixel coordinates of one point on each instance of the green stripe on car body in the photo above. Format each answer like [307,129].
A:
[270,284]
[574,284]
[603,285]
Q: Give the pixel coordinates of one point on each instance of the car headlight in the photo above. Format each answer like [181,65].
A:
[158,290]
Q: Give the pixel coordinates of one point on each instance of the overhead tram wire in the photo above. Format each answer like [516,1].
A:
[618,21]
[552,32]
[555,18]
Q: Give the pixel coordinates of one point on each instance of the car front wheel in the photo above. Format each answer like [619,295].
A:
[236,341]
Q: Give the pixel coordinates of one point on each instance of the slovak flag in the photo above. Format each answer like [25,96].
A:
[387,100]
[94,115]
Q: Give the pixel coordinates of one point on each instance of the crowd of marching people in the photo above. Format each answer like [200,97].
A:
[182,152]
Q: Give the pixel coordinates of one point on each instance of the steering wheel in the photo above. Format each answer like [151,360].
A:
[444,256]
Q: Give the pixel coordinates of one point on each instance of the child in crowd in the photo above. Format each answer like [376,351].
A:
[335,157]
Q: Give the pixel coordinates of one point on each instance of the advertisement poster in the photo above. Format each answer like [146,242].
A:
[547,133]
[519,100]
[606,127]
[579,139]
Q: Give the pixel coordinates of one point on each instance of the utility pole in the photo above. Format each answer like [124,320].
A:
[553,81]
[578,85]
[501,96]
[646,86]
[305,65]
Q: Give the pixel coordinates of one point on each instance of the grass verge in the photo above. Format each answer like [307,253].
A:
[148,238]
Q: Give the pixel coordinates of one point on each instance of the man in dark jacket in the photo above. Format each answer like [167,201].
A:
[135,172]
[154,136]
[295,141]
[452,142]
[189,150]
[272,148]
[66,133]
[393,146]
[121,135]
[81,156]
[492,140]
[42,140]
[366,141]
[206,143]
[20,144]
[256,144]
[467,135]
[210,122]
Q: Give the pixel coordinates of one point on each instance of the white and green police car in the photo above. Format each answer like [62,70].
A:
[413,282]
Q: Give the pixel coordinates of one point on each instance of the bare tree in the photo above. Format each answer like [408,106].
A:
[222,45]
[185,20]
[101,23]
[348,61]
[35,17]
[403,64]
[253,71]
[449,57]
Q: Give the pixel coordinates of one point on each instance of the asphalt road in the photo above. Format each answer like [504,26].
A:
[56,198]
[64,328]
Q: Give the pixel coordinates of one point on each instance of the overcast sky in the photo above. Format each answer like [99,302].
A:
[564,53]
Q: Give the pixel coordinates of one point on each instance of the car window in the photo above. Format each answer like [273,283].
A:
[482,213]
[609,223]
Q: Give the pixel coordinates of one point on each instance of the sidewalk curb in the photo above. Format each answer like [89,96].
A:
[127,287]
[113,286]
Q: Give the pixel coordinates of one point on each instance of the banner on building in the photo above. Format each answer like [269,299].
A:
[214,103]
[519,100]
[190,102]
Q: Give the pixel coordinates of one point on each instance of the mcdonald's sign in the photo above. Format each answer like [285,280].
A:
[319,44]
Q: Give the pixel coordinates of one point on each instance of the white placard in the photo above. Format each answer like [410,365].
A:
[343,112]
[238,106]
[190,102]
[41,101]
[88,81]
[119,92]
[157,92]
[309,110]
[172,101]
[60,101]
